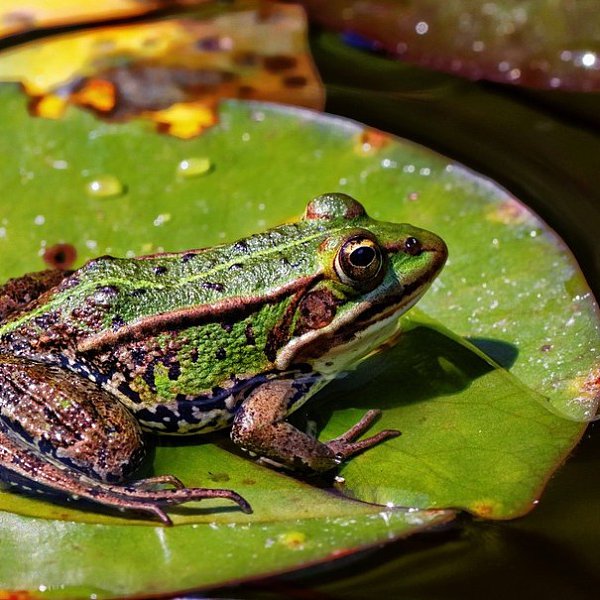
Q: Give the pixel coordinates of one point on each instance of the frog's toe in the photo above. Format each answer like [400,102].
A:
[150,483]
[154,510]
[344,446]
[178,496]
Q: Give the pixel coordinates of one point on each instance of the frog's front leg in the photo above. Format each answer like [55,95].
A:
[61,433]
[259,426]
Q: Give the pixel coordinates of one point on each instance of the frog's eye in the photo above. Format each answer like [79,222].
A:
[359,261]
[412,246]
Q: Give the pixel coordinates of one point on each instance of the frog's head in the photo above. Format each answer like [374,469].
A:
[372,272]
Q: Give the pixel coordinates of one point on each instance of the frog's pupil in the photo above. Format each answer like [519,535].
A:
[363,256]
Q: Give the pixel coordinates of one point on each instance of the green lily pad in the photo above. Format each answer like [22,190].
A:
[474,435]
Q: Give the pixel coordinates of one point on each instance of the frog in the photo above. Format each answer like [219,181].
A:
[97,361]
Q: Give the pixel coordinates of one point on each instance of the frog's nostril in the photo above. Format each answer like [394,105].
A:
[412,246]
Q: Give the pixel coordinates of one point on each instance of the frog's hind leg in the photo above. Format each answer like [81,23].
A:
[35,473]
[17,293]
[61,433]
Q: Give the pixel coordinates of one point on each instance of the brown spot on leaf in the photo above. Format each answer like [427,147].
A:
[371,141]
[509,212]
[590,390]
[209,44]
[19,19]
[295,81]
[60,256]
[484,509]
[279,62]
[246,91]
[245,59]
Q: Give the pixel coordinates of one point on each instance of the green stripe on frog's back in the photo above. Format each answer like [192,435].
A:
[136,289]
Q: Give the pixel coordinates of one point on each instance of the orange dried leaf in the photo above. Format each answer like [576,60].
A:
[17,16]
[173,72]
[97,94]
[49,107]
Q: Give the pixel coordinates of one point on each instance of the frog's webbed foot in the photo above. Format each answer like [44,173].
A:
[260,427]
[344,445]
[45,475]
[132,497]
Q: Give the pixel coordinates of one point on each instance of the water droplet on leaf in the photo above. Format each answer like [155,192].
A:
[194,166]
[105,186]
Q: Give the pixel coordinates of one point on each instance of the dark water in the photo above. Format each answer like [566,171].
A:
[554,552]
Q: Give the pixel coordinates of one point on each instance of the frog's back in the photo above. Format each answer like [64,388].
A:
[113,294]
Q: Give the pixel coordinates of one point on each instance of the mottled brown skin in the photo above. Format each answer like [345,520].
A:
[19,292]
[64,416]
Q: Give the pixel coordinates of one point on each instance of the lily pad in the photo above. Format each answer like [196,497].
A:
[16,18]
[544,44]
[474,435]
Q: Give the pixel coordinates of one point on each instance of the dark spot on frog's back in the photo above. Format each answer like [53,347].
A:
[226,326]
[221,354]
[187,257]
[148,375]
[160,270]
[117,322]
[104,295]
[174,371]
[216,287]
[249,333]
[138,355]
[241,246]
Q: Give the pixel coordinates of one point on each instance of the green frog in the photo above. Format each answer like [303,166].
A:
[238,335]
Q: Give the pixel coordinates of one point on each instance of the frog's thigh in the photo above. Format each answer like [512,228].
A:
[16,293]
[58,414]
[259,426]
